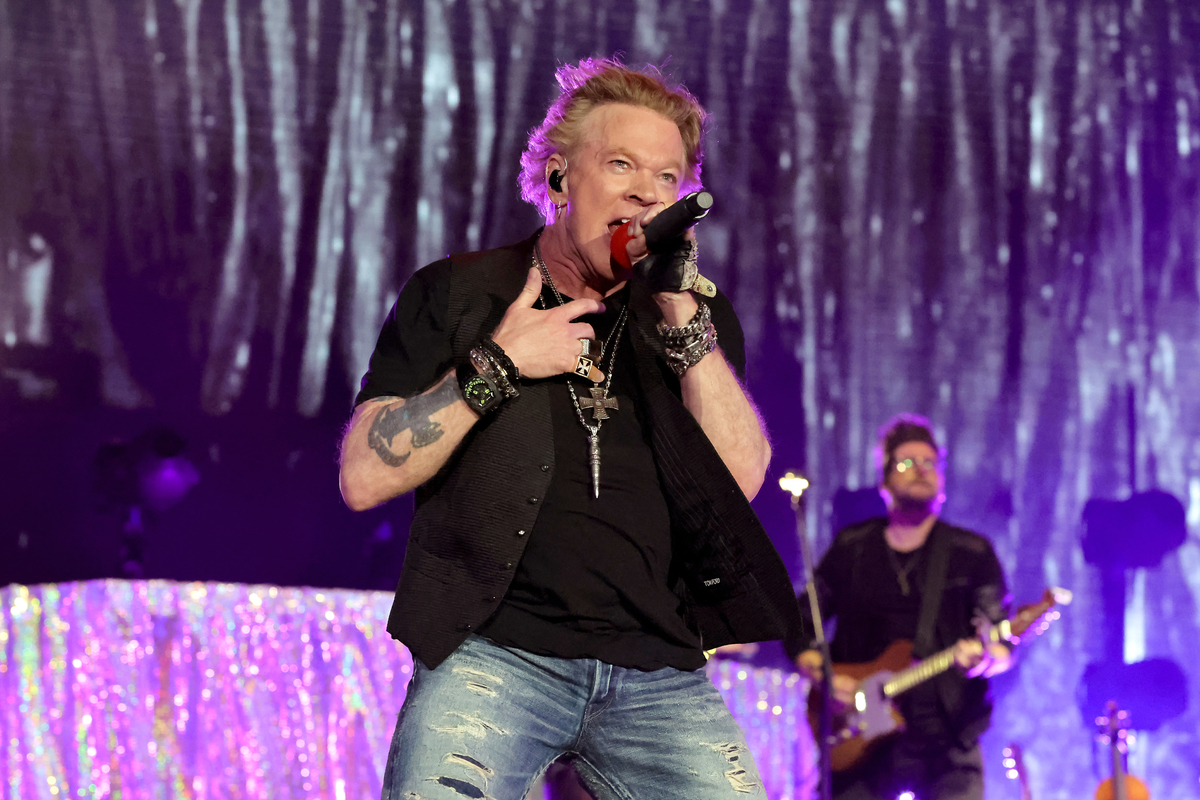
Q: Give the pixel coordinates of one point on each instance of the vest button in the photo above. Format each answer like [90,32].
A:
[519,533]
[508,564]
[533,501]
[545,467]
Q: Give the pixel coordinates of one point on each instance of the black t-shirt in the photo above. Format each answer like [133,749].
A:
[414,350]
[595,575]
[893,614]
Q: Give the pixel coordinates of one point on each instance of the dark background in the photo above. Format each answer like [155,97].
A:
[981,211]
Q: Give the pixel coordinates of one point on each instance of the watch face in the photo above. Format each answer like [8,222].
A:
[478,393]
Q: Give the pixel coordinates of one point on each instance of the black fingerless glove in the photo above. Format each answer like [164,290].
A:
[674,271]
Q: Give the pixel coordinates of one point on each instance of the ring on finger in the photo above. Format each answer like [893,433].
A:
[585,362]
[584,366]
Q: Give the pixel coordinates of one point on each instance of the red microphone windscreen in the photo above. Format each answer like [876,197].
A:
[620,238]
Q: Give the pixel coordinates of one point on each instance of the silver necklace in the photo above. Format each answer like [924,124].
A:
[599,402]
[902,571]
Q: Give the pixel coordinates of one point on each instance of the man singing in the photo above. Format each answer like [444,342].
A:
[583,453]
[876,580]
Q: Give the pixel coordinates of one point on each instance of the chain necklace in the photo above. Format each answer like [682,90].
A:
[902,571]
[600,403]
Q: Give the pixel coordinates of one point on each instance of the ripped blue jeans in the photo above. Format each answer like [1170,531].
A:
[490,719]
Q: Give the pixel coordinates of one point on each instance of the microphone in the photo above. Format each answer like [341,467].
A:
[664,231]
[674,221]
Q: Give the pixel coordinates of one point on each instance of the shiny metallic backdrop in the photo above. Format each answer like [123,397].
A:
[981,210]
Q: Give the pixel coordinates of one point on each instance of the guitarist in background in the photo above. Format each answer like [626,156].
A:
[873,580]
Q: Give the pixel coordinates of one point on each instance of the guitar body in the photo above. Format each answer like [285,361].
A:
[859,729]
[855,731]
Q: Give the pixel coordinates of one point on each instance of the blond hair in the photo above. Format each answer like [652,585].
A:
[594,82]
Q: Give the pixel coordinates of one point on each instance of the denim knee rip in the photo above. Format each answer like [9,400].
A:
[468,726]
[738,778]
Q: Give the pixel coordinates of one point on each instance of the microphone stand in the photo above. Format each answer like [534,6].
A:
[796,484]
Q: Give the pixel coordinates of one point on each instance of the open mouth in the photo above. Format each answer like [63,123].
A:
[616,223]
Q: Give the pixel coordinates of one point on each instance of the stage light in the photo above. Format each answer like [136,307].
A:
[793,482]
[164,482]
[148,474]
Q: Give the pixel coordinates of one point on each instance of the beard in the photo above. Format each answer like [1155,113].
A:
[916,504]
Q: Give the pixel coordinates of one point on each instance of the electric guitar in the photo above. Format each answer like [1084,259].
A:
[873,715]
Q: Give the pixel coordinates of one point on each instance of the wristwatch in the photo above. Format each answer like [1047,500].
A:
[480,392]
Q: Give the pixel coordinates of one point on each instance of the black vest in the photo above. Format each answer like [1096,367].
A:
[473,517]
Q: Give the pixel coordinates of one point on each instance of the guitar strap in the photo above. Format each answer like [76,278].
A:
[931,595]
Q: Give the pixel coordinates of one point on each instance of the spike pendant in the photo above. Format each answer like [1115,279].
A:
[599,402]
[594,457]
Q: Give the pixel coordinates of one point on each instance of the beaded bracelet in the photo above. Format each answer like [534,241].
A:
[497,352]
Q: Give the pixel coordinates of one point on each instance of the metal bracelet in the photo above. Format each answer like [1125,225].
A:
[700,321]
[502,379]
[489,366]
[681,359]
[497,353]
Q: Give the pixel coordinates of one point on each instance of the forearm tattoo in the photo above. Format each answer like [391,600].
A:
[415,414]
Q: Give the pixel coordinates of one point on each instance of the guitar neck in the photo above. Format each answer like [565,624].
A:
[920,672]
[1118,772]
[1027,618]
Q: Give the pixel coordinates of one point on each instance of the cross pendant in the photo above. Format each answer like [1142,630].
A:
[599,402]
